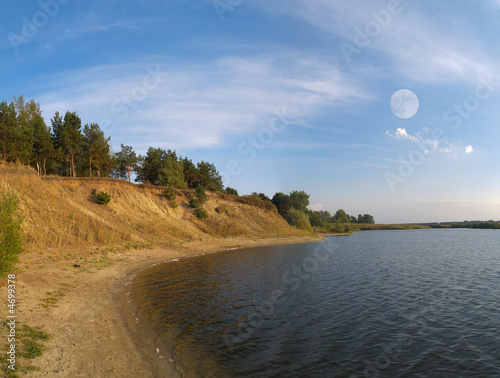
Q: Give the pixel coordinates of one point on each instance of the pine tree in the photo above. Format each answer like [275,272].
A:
[172,171]
[96,149]
[191,174]
[68,138]
[150,166]
[15,130]
[57,131]
[126,162]
[22,141]
[7,129]
[43,148]
[209,176]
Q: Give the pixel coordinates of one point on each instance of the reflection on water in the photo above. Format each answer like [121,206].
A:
[382,303]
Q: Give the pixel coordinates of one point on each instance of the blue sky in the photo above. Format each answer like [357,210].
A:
[284,94]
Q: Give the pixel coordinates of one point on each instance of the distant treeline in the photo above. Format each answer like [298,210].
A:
[293,208]
[493,225]
[69,150]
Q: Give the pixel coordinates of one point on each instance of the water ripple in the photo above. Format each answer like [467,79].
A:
[384,304]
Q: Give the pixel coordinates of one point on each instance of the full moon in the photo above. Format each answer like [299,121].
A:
[404,104]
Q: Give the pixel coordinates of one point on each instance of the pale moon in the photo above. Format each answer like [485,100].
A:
[404,104]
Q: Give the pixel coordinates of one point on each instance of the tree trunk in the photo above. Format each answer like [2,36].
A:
[128,171]
[4,147]
[90,165]
[44,169]
[73,166]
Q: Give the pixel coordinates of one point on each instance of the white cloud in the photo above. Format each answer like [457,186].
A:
[401,133]
[429,145]
[316,207]
[197,105]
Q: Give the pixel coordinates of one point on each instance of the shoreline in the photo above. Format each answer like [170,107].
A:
[164,363]
[86,311]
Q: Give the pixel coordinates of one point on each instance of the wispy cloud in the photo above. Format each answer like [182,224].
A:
[198,105]
[419,46]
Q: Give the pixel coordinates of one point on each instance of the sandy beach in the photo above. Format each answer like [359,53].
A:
[83,308]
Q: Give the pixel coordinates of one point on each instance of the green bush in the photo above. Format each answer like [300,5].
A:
[171,196]
[11,236]
[103,198]
[231,192]
[201,194]
[342,227]
[298,219]
[194,203]
[201,213]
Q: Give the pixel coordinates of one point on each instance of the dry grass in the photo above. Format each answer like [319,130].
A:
[62,215]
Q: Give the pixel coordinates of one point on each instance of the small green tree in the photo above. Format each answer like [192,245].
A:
[201,194]
[194,203]
[171,196]
[11,237]
[298,219]
[201,213]
[103,198]
[231,191]
[262,195]
[340,227]
[341,216]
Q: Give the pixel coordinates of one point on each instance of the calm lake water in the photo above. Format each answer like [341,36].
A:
[419,303]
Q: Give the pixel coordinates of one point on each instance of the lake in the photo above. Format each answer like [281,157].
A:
[414,303]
